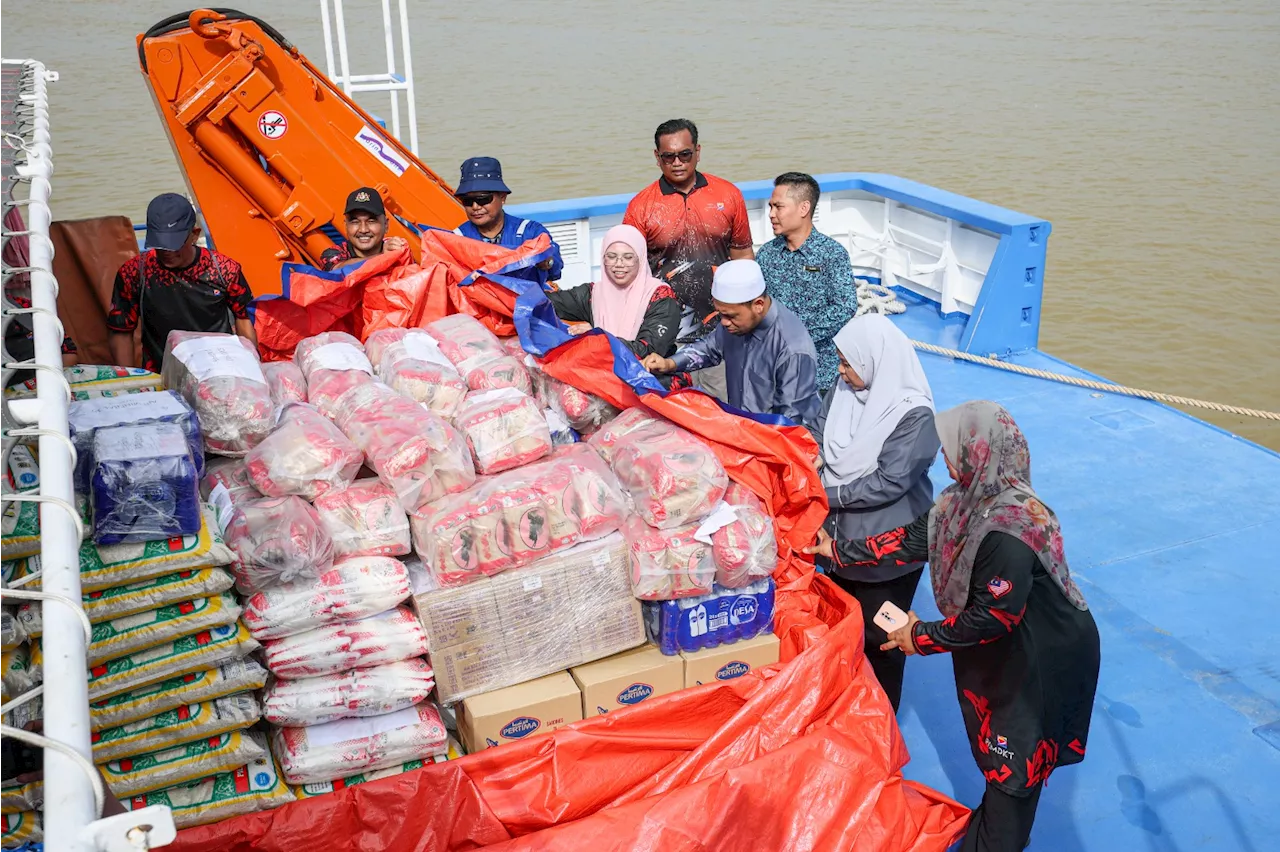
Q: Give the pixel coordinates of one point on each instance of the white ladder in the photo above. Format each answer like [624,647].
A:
[389,81]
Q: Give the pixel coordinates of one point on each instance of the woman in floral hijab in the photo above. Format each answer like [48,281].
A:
[1024,647]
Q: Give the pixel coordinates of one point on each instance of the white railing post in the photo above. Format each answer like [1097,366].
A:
[389,81]
[69,804]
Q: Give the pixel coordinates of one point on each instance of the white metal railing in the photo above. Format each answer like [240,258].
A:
[390,81]
[73,789]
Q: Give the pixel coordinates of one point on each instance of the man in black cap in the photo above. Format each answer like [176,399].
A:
[366,220]
[175,285]
[482,194]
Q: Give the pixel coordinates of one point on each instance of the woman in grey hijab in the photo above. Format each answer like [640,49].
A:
[1023,644]
[878,441]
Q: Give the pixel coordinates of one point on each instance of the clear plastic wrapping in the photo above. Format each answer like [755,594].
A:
[365,519]
[513,518]
[285,382]
[221,377]
[419,454]
[483,362]
[374,691]
[738,494]
[505,429]
[490,372]
[719,617]
[85,417]
[462,336]
[354,588]
[673,478]
[277,540]
[304,455]
[585,412]
[668,564]
[231,474]
[337,749]
[376,344]
[562,611]
[745,550]
[331,350]
[144,484]
[326,387]
[384,638]
[607,439]
[415,367]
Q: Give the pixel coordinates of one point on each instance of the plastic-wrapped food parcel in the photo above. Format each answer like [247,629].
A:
[221,377]
[86,416]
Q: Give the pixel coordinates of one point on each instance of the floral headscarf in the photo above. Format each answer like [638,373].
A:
[994,494]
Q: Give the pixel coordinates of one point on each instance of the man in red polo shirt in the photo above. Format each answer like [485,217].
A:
[692,223]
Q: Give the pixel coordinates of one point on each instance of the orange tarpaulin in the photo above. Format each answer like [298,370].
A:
[805,754]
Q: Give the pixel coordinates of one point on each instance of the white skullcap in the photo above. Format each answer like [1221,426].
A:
[737,281]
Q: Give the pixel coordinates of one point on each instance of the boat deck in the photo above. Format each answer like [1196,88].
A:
[1172,526]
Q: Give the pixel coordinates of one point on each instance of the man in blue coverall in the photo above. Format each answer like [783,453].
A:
[482,194]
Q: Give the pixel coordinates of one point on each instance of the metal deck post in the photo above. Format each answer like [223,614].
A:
[390,81]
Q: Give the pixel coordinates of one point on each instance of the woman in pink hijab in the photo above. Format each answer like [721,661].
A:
[628,302]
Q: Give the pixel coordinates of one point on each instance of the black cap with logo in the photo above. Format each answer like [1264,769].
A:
[365,200]
[170,218]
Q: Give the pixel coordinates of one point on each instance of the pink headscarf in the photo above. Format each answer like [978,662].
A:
[620,310]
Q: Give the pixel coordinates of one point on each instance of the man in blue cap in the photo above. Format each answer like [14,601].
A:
[482,194]
[175,285]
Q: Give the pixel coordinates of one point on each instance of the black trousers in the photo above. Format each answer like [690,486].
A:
[888,665]
[1002,822]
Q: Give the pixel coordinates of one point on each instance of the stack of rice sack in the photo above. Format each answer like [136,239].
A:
[171,686]
[89,381]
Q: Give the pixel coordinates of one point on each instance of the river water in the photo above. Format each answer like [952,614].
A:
[1148,133]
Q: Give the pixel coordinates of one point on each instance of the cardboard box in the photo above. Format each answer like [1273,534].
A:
[627,678]
[566,609]
[516,712]
[726,662]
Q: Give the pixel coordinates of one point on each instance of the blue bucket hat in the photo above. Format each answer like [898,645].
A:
[481,174]
[170,218]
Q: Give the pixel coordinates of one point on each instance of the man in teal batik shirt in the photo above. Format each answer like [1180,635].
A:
[807,271]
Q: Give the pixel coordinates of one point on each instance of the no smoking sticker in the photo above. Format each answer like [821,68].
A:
[272,124]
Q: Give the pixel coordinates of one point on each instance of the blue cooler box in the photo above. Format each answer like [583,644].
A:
[718,618]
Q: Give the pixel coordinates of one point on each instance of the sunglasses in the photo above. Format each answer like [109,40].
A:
[483,200]
[669,157]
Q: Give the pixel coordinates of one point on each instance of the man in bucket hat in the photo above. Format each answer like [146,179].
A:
[175,285]
[482,194]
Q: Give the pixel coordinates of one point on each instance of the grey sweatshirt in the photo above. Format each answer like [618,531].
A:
[894,494]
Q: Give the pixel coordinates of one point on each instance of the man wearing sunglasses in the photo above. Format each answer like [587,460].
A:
[692,223]
[482,194]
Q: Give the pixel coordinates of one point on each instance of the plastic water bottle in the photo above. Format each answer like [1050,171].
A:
[23,468]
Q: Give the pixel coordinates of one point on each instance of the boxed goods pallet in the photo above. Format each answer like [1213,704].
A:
[626,679]
[570,608]
[516,712]
[729,661]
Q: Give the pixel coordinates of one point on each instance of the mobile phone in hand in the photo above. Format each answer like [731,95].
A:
[890,618]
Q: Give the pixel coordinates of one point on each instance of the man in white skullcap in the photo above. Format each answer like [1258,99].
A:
[770,364]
